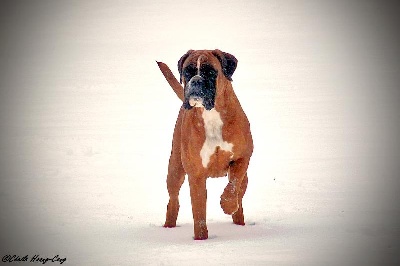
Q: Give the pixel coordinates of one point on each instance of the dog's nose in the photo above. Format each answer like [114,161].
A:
[196,81]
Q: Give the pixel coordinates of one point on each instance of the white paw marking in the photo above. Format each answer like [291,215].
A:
[213,128]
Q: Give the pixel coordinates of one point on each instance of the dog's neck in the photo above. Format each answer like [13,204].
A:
[227,103]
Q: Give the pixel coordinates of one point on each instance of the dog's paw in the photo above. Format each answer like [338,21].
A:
[169,224]
[201,235]
[229,205]
[229,199]
[238,218]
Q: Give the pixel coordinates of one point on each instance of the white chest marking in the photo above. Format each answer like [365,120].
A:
[213,127]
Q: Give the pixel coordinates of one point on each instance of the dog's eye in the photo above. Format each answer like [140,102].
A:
[209,71]
[189,72]
[212,73]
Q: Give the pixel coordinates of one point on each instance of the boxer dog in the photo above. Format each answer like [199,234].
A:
[211,138]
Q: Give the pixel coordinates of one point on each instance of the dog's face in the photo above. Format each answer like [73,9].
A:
[199,71]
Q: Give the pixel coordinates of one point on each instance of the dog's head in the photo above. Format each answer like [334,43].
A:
[200,71]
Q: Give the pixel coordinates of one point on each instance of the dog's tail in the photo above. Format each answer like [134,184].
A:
[173,82]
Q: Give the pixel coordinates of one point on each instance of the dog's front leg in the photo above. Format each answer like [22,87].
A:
[198,194]
[230,197]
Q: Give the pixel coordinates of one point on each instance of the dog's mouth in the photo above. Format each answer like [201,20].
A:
[195,101]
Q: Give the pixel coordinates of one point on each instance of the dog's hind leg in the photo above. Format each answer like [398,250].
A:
[238,217]
[174,183]
[175,177]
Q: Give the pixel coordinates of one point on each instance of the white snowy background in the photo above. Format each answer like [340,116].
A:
[86,122]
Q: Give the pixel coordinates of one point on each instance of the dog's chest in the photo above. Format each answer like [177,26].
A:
[213,132]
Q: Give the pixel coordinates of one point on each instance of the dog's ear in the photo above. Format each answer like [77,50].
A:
[228,63]
[180,64]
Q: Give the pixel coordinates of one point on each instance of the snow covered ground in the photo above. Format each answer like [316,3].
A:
[86,121]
